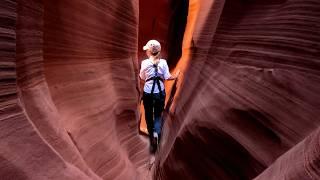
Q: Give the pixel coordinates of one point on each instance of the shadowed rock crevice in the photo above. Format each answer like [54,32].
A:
[176,30]
[227,158]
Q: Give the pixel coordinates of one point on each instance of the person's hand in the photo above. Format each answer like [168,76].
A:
[173,77]
[177,74]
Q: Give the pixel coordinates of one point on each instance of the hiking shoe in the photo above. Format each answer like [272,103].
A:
[153,146]
[156,137]
[154,143]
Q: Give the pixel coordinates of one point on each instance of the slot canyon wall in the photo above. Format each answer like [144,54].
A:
[249,104]
[65,74]
[246,104]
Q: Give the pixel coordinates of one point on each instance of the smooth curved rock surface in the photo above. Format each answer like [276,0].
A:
[63,80]
[25,153]
[246,105]
[249,98]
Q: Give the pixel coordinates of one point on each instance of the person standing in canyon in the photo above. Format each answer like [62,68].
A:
[154,71]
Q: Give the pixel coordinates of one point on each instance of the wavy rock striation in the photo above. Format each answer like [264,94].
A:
[63,80]
[249,98]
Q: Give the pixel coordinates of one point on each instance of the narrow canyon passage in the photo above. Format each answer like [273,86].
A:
[246,105]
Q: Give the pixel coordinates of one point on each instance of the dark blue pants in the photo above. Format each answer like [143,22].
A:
[153,106]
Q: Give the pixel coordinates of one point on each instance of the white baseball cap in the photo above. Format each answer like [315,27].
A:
[153,45]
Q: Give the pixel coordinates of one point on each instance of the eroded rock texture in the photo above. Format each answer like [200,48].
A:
[250,95]
[246,105]
[65,108]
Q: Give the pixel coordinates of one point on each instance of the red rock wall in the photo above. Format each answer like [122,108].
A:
[26,152]
[90,67]
[63,79]
[250,94]
[154,18]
